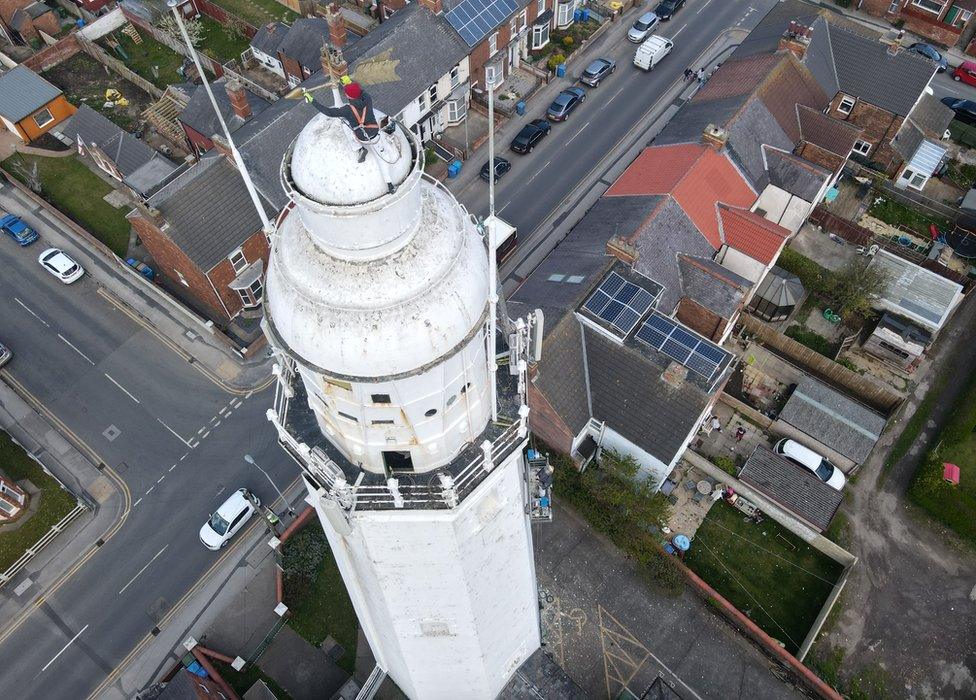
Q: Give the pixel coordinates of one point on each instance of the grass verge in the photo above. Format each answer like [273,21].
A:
[55,501]
[768,573]
[77,192]
[903,443]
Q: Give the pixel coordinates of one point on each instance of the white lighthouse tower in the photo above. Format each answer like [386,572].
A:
[377,307]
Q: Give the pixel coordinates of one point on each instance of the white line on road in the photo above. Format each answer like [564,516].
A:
[204,436]
[172,468]
[63,648]
[222,411]
[88,359]
[178,436]
[228,414]
[161,479]
[150,489]
[675,35]
[216,425]
[143,569]
[124,390]
[703,7]
[236,403]
[213,419]
[193,443]
[200,431]
[539,172]
[576,134]
[184,456]
[31,312]
[137,503]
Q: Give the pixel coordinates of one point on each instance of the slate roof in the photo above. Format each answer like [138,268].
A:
[916,293]
[209,211]
[795,175]
[907,140]
[931,116]
[715,287]
[23,92]
[765,36]
[752,234]
[792,487]
[906,329]
[304,42]
[562,373]
[830,134]
[833,420]
[269,38]
[199,114]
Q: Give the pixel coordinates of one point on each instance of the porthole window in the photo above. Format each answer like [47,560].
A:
[450,401]
[431,412]
[464,389]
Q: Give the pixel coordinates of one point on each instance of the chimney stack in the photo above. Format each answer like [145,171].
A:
[715,137]
[238,98]
[675,375]
[222,147]
[892,39]
[333,64]
[337,24]
[435,6]
[796,39]
[622,250]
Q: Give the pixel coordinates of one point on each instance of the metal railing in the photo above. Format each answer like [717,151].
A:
[35,548]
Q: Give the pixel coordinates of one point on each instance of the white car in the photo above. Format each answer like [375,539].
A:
[805,457]
[229,518]
[60,264]
[643,27]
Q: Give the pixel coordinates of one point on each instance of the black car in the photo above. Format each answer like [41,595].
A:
[531,134]
[502,166]
[565,102]
[965,109]
[597,71]
[668,8]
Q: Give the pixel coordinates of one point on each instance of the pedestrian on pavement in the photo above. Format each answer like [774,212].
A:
[688,73]
[701,76]
[716,424]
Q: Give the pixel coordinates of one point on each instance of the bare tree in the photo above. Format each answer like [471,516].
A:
[28,175]
[856,285]
[194,28]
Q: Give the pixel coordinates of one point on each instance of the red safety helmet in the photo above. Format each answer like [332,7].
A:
[353,91]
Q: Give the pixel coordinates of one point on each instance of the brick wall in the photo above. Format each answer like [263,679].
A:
[547,425]
[880,126]
[479,55]
[254,248]
[291,67]
[53,55]
[818,155]
[218,13]
[876,8]
[926,24]
[700,319]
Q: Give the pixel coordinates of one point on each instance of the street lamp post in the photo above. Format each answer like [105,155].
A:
[250,460]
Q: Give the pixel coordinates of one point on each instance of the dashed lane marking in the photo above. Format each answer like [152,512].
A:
[68,342]
[121,388]
[31,312]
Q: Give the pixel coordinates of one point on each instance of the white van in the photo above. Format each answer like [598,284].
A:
[805,457]
[650,53]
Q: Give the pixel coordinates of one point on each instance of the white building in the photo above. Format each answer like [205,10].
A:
[377,307]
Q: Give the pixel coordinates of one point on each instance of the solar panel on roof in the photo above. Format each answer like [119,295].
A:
[694,352]
[619,303]
[475,19]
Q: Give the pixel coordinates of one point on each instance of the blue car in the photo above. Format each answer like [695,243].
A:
[931,53]
[15,228]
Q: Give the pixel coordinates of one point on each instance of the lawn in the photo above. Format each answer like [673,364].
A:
[316,595]
[258,12]
[814,341]
[76,191]
[241,681]
[897,214]
[55,502]
[219,43]
[151,59]
[771,575]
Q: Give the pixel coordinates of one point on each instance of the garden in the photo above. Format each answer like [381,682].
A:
[910,219]
[258,12]
[151,60]
[564,42]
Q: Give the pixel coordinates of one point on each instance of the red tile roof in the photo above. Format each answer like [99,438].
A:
[737,77]
[751,234]
[697,177]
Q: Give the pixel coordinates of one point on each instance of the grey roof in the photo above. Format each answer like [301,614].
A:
[304,42]
[906,329]
[795,175]
[23,92]
[209,211]
[150,176]
[931,116]
[826,132]
[753,127]
[832,419]
[765,36]
[541,678]
[199,114]
[861,66]
[659,243]
[780,287]
[694,117]
[907,140]
[716,288]
[269,38]
[561,374]
[916,293]
[796,489]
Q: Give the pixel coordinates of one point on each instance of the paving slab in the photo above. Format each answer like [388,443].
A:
[304,671]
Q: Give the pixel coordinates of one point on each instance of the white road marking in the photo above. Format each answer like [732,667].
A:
[28,309]
[150,489]
[204,436]
[184,456]
[236,403]
[216,425]
[137,503]
[124,390]
[675,35]
[143,569]
[577,133]
[161,479]
[228,414]
[64,648]
[178,436]
[972,594]
[534,176]
[703,7]
[222,411]
[172,468]
[88,359]
[213,419]
[193,443]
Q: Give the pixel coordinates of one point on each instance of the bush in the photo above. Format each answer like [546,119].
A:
[844,362]
[567,41]
[963,420]
[812,340]
[726,464]
[303,558]
[815,278]
[555,60]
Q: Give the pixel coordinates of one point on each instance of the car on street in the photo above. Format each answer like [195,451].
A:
[227,520]
[565,102]
[15,227]
[643,27]
[965,109]
[667,8]
[502,166]
[61,265]
[5,354]
[931,53]
[652,51]
[965,72]
[807,458]
[597,71]
[530,135]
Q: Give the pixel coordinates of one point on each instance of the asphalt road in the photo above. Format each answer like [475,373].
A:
[175,438]
[944,86]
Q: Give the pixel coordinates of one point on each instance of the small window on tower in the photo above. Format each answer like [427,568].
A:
[381,398]
[382,422]
[398,461]
[464,389]
[431,412]
[348,417]
[450,401]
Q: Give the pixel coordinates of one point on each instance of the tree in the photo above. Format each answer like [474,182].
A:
[857,285]
[235,28]
[629,505]
[28,175]
[194,28]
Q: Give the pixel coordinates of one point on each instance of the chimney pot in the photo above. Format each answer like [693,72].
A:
[715,137]
[796,39]
[332,62]
[435,6]
[337,24]
[238,98]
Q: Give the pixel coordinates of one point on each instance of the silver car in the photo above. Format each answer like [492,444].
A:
[643,27]
[597,71]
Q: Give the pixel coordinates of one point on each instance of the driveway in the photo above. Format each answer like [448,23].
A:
[910,603]
[609,631]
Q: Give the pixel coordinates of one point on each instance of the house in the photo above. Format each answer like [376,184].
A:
[942,21]
[829,423]
[29,105]
[920,142]
[30,18]
[897,341]
[264,46]
[117,152]
[914,293]
[237,106]
[301,47]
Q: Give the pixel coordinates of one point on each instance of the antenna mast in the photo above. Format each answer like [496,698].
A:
[492,261]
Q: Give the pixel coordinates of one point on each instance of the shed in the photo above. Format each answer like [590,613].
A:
[791,487]
[831,421]
[897,341]
[777,295]
[917,294]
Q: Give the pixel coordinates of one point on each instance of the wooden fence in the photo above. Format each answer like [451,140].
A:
[838,226]
[864,389]
[103,57]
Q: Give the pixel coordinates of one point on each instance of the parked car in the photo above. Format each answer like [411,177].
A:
[965,72]
[807,458]
[565,102]
[931,53]
[530,135]
[597,71]
[502,166]
[643,27]
[965,109]
[14,227]
[225,522]
[5,354]
[61,265]
[652,51]
[667,8]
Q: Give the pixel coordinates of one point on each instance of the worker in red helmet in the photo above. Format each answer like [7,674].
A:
[357,112]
